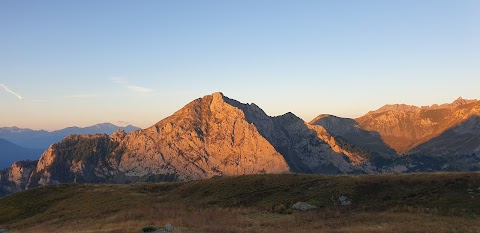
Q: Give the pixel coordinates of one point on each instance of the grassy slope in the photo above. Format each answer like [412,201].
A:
[258,203]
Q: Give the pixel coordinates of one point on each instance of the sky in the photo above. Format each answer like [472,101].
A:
[78,63]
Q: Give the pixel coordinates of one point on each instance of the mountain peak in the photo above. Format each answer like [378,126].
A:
[105,124]
[460,101]
[217,94]
[395,107]
[319,117]
[218,98]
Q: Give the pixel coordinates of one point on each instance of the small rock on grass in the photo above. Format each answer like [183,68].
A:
[303,206]
[344,200]
[168,227]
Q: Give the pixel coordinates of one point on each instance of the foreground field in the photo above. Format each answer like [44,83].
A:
[256,203]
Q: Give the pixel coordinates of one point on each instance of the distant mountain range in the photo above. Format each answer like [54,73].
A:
[9,153]
[216,136]
[41,139]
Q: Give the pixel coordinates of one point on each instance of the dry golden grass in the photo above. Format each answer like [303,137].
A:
[221,220]
[260,203]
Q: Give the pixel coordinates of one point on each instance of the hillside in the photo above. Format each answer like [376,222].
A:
[255,203]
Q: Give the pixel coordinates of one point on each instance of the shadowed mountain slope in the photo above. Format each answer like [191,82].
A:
[9,153]
[350,131]
[461,139]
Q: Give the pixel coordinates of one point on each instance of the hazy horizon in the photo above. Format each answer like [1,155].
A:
[82,63]
[126,123]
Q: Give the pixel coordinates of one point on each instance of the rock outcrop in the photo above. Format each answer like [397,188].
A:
[78,158]
[16,177]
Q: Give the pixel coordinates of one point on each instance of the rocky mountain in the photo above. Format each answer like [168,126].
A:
[428,138]
[9,153]
[206,138]
[405,127]
[306,148]
[217,136]
[210,136]
[41,139]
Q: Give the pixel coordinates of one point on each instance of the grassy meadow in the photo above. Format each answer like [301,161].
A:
[437,202]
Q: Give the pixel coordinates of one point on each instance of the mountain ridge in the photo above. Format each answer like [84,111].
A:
[405,107]
[10,153]
[218,136]
[42,139]
[404,129]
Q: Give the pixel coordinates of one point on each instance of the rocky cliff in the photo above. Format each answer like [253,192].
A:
[16,177]
[78,158]
[208,137]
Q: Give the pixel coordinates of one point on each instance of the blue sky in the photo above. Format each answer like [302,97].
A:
[86,62]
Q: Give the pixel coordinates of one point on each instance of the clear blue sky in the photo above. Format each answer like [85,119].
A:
[86,62]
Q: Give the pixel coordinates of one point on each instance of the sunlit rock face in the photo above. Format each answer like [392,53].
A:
[404,127]
[16,177]
[208,137]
